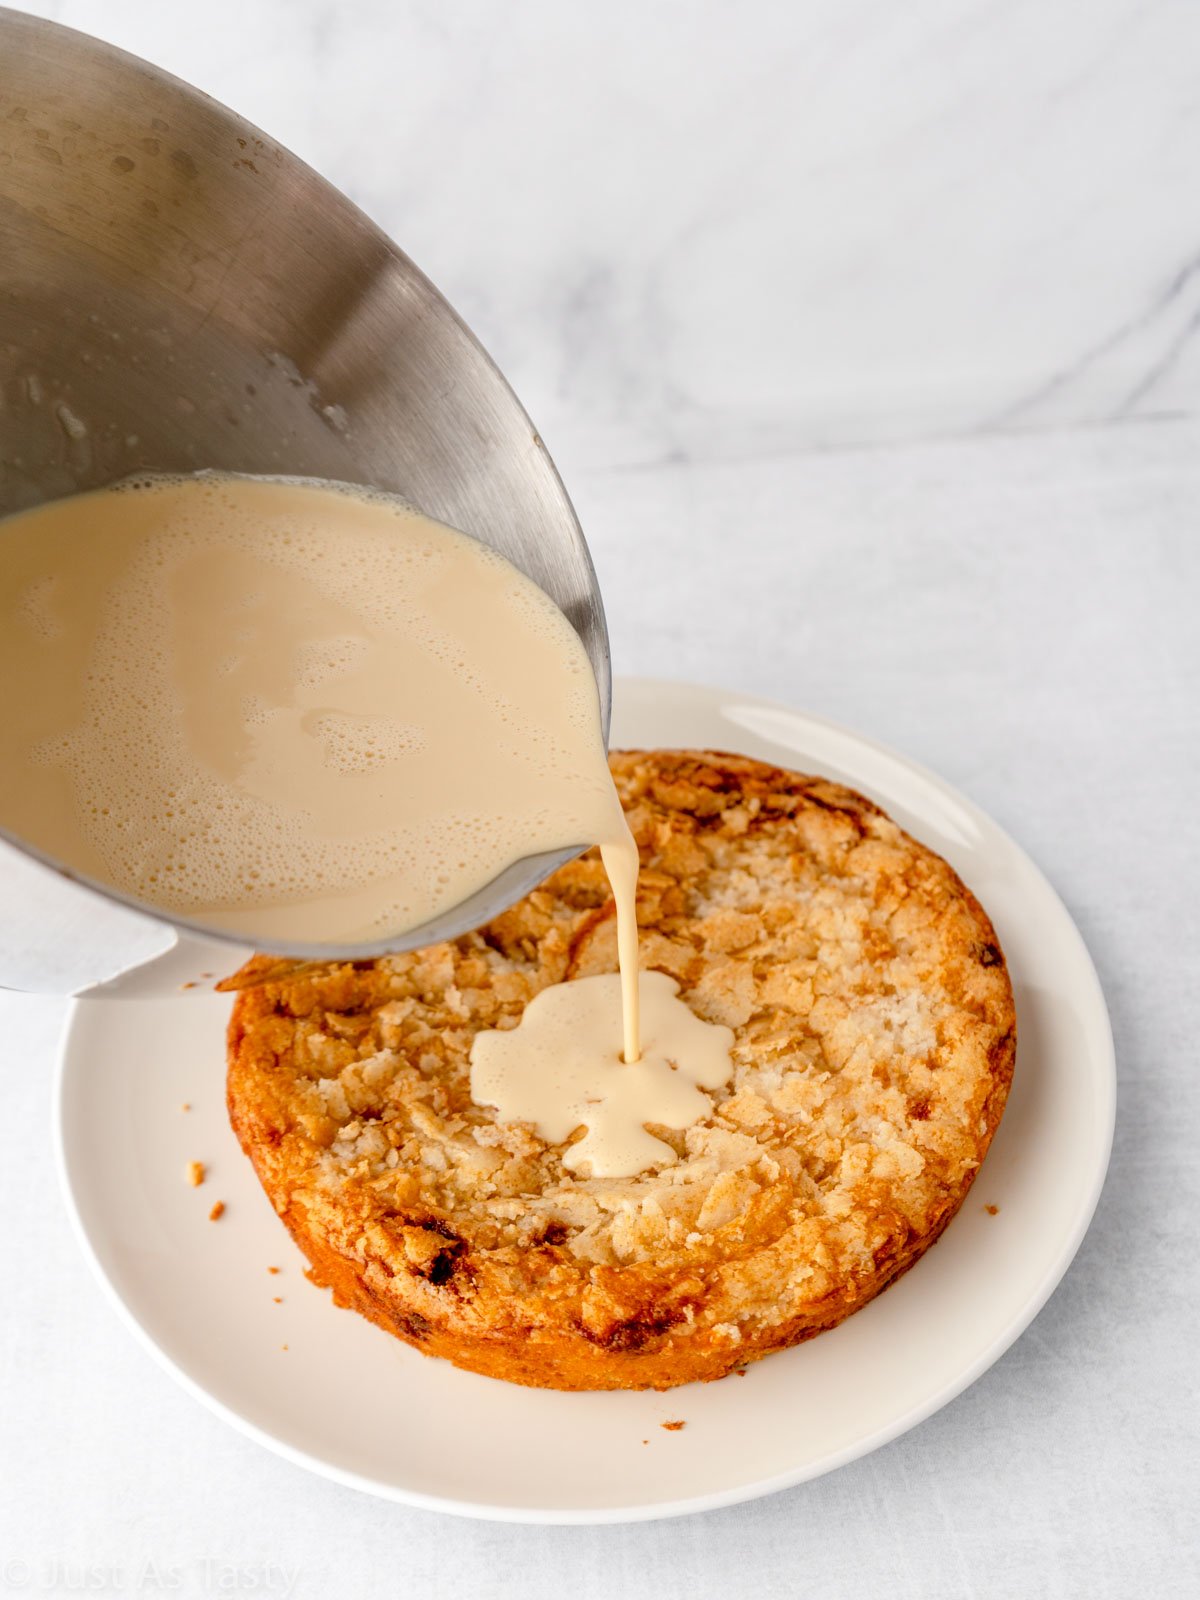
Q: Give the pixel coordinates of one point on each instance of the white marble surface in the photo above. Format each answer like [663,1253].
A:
[707,229]
[708,244]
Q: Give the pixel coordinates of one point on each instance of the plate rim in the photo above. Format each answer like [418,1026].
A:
[715,1499]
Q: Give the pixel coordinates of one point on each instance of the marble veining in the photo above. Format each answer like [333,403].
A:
[704,232]
[717,248]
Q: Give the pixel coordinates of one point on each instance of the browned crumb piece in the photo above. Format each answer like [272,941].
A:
[196,1173]
[645,1441]
[190,985]
[186,1106]
[674,1427]
[272,1270]
[874,1038]
[278,1299]
[992,1211]
[217,1212]
[283,1347]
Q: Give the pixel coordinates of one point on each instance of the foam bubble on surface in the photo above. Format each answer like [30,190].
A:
[36,607]
[303,711]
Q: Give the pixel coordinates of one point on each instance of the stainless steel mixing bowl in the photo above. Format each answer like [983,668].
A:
[179,292]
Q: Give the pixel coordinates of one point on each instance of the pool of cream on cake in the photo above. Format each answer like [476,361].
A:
[295,711]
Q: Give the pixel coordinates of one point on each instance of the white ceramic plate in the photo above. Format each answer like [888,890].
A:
[328,1390]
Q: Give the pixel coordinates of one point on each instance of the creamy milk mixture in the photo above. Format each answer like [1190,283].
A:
[552,1070]
[309,715]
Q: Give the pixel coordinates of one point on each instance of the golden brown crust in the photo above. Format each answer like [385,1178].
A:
[874,1046]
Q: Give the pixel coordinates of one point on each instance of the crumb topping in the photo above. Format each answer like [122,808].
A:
[873,1043]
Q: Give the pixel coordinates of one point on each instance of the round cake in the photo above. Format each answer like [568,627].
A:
[874,1040]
